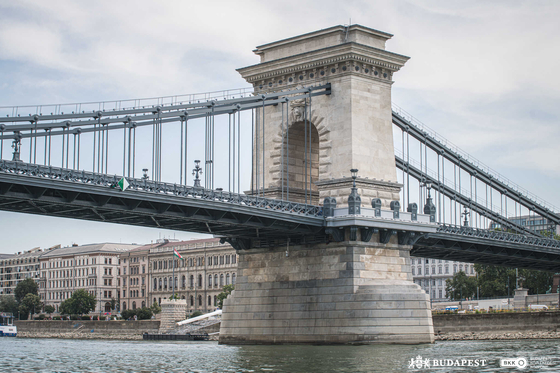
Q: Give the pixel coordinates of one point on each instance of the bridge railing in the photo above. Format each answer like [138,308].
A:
[498,235]
[150,186]
[79,107]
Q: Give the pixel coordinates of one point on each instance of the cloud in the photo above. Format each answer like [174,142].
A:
[482,74]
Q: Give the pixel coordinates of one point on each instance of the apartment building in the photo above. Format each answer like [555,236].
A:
[431,274]
[133,278]
[17,267]
[92,267]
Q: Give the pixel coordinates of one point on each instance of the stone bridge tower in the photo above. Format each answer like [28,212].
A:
[349,129]
[357,289]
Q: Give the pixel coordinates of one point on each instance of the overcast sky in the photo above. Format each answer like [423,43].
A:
[485,75]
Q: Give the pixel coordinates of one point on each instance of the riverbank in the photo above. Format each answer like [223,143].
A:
[492,336]
[85,335]
[77,335]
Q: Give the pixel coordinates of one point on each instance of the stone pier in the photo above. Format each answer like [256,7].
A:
[172,311]
[345,292]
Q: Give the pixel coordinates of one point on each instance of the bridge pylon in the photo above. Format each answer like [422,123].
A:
[356,287]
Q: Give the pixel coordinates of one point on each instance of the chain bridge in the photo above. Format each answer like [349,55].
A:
[311,155]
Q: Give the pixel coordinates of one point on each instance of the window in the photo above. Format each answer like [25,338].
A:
[221,280]
[209,300]
[419,271]
[143,269]
[200,300]
[165,283]
[446,269]
[227,259]
[222,259]
[215,280]
[215,260]
[233,278]
[433,270]
[413,271]
[191,281]
[227,279]
[183,281]
[439,270]
[440,294]
[209,281]
[199,280]
[192,301]
[215,300]
[155,284]
[234,259]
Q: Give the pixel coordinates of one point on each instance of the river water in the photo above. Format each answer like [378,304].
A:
[65,355]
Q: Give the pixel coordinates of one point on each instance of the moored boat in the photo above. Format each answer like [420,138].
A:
[7,327]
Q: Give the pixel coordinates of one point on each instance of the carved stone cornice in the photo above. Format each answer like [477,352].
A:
[343,59]
[346,182]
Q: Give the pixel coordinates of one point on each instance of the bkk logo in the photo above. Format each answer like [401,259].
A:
[420,363]
[519,362]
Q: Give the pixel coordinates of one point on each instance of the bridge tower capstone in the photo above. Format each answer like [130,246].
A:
[355,286]
[350,129]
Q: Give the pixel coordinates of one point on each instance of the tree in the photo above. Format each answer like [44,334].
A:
[226,290]
[155,308]
[113,303]
[29,304]
[494,281]
[79,303]
[460,286]
[49,309]
[27,286]
[8,304]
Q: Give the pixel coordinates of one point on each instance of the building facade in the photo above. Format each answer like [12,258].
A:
[132,276]
[207,266]
[533,222]
[431,275]
[133,279]
[91,267]
[18,267]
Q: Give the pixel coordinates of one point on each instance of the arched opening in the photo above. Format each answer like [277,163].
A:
[133,305]
[107,307]
[143,304]
[301,162]
[124,306]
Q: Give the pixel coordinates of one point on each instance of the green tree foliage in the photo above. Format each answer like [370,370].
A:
[30,304]
[81,302]
[460,286]
[194,314]
[143,313]
[226,290]
[493,280]
[8,304]
[27,286]
[113,303]
[155,308]
[49,309]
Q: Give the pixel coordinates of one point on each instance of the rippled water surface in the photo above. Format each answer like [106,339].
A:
[60,355]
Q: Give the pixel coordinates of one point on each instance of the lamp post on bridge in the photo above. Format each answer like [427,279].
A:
[196,170]
[429,207]
[354,199]
[465,214]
